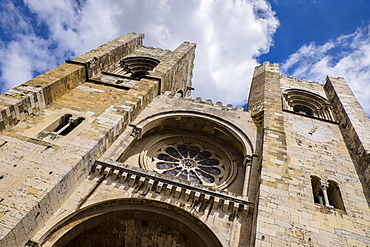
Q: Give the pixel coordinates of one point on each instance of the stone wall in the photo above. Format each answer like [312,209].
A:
[27,99]
[287,214]
[39,173]
[354,124]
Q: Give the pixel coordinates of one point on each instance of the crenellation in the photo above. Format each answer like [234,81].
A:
[208,102]
[229,106]
[198,100]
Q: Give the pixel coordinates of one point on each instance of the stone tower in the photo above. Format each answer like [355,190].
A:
[109,149]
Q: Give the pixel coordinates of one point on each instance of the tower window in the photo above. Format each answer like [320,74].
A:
[138,67]
[64,124]
[334,195]
[317,191]
[327,194]
[307,103]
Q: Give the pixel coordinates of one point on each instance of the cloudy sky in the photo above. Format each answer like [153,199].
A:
[309,38]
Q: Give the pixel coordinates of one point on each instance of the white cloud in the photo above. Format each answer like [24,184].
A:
[22,57]
[348,56]
[12,21]
[229,36]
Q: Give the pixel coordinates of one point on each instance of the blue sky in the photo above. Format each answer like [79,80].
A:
[309,38]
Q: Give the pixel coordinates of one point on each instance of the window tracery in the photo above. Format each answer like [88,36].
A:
[135,67]
[194,159]
[307,103]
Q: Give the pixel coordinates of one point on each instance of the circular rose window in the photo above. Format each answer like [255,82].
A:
[189,158]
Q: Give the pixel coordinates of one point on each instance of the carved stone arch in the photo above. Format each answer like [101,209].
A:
[195,147]
[155,120]
[138,66]
[131,222]
[307,103]
[134,67]
[316,177]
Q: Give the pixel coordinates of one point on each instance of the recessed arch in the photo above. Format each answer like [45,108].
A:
[307,103]
[138,66]
[190,130]
[228,128]
[141,215]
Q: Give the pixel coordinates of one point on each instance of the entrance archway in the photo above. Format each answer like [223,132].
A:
[131,222]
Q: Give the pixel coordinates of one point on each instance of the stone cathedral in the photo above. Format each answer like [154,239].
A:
[109,149]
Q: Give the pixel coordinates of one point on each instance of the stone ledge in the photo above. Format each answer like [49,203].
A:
[191,193]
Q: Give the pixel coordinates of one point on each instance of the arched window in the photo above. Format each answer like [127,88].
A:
[326,194]
[334,195]
[180,92]
[135,67]
[64,124]
[316,190]
[307,103]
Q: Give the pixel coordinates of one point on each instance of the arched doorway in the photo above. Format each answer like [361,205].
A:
[131,222]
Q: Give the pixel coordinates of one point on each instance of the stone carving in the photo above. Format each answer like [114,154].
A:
[190,158]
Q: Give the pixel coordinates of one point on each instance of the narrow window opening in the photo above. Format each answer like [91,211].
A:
[317,191]
[334,195]
[64,124]
[59,124]
[71,125]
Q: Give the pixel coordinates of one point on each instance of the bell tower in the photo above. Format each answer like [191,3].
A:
[314,188]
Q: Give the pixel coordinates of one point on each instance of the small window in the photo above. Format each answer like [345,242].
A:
[327,194]
[57,125]
[334,195]
[317,191]
[64,124]
[181,92]
[138,67]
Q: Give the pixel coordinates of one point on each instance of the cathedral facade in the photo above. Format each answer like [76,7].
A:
[109,149]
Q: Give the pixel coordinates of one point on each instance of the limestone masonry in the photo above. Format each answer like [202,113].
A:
[109,149]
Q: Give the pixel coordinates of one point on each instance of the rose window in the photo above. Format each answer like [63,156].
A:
[189,158]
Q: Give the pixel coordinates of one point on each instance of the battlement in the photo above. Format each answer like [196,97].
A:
[296,80]
[266,66]
[208,102]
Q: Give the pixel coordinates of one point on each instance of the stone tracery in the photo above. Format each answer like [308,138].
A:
[189,158]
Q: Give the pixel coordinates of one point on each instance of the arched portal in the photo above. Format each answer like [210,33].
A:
[130,222]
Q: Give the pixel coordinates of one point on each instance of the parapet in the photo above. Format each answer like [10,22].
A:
[207,102]
[266,66]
